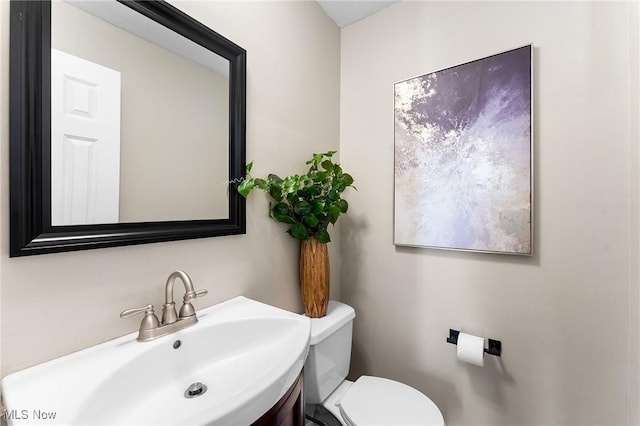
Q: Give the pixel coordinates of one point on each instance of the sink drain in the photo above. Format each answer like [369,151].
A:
[195,389]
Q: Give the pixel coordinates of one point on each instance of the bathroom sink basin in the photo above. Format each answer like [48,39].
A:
[247,354]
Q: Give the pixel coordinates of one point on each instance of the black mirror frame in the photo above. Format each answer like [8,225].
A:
[31,232]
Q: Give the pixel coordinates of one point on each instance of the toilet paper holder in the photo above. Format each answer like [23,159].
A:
[495,346]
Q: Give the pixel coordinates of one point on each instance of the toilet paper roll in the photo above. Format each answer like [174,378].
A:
[471,349]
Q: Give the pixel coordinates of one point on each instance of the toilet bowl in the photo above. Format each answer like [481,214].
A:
[368,401]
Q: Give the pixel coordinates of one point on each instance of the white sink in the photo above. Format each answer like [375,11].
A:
[246,353]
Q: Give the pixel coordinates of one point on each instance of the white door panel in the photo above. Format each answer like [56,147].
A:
[85,141]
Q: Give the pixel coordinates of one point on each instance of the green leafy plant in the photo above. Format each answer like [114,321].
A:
[308,202]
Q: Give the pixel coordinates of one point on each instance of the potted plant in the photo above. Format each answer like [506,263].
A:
[307,204]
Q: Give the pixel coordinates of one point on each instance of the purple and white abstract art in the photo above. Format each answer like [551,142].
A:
[463,156]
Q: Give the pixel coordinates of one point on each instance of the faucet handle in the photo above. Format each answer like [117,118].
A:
[187,309]
[191,295]
[149,321]
[131,312]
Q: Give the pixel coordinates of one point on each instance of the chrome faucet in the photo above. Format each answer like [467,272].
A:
[151,328]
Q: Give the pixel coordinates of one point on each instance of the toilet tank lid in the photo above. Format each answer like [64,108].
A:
[338,315]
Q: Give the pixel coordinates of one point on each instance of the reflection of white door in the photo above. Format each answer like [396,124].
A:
[85,141]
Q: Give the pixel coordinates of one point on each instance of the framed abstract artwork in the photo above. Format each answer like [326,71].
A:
[463,156]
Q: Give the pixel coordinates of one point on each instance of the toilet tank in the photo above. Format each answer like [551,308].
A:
[329,356]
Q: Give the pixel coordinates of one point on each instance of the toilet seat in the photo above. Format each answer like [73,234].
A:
[376,401]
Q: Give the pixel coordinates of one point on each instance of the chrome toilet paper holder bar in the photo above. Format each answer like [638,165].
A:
[495,346]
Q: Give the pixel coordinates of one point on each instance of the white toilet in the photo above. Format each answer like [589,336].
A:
[369,400]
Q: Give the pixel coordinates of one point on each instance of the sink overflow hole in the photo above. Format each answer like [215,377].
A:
[195,389]
[177,344]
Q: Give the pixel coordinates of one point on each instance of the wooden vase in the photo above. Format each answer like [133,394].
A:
[314,277]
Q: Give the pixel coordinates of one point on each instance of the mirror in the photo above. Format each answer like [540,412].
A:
[107,149]
[110,109]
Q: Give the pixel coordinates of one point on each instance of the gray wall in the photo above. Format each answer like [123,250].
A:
[567,316]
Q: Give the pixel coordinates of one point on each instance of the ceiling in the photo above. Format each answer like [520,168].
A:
[345,12]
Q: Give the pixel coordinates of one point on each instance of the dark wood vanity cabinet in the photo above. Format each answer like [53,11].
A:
[289,411]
